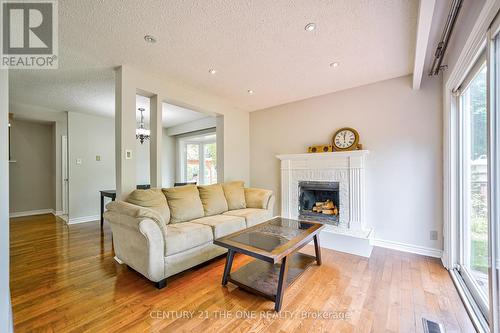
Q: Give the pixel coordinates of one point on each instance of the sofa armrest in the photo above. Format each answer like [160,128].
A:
[259,198]
[271,202]
[136,211]
[139,243]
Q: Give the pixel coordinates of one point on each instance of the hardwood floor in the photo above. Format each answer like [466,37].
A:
[64,279]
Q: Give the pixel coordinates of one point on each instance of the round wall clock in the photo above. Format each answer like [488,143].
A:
[346,139]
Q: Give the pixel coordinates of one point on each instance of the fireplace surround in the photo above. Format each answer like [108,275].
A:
[340,172]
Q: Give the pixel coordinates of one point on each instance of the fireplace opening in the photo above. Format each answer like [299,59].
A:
[319,201]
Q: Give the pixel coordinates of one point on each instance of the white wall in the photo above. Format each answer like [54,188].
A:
[192,126]
[468,14]
[401,127]
[5,308]
[142,154]
[89,136]
[169,163]
[32,175]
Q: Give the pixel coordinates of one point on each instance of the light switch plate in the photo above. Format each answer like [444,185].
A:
[128,154]
[79,161]
[98,158]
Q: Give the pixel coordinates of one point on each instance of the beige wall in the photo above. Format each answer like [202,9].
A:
[401,127]
[32,176]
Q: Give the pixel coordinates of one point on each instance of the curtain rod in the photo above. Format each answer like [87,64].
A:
[445,38]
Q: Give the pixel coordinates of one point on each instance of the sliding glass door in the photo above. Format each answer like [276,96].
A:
[474,184]
[478,225]
[494,175]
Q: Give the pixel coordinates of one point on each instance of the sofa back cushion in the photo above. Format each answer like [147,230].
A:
[184,203]
[213,199]
[152,199]
[235,194]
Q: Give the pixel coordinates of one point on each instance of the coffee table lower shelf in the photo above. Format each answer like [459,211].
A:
[261,277]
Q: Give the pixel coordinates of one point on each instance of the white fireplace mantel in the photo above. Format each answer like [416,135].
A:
[348,169]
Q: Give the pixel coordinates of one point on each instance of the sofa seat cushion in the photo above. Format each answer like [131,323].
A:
[213,199]
[153,199]
[184,202]
[253,216]
[222,225]
[185,236]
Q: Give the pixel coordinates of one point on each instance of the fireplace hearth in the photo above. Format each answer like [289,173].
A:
[319,201]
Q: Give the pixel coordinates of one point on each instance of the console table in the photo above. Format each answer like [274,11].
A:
[107,193]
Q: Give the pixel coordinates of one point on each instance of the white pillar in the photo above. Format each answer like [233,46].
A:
[125,126]
[5,308]
[155,155]
[219,128]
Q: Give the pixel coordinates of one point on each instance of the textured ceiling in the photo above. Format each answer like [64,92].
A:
[259,45]
[172,115]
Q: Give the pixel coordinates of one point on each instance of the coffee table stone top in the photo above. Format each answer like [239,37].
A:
[271,240]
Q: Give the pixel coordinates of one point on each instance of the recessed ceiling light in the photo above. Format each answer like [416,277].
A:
[150,39]
[334,64]
[212,71]
[310,27]
[250,91]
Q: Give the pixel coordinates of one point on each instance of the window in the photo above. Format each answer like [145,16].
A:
[199,159]
[474,185]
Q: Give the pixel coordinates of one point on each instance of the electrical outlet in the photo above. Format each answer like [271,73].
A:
[433,235]
[79,161]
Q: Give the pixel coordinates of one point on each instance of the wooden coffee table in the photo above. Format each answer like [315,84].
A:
[275,244]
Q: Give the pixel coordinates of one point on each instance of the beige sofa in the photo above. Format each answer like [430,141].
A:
[161,232]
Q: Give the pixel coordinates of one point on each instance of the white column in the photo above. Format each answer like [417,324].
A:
[356,192]
[5,308]
[355,198]
[285,188]
[125,126]
[219,127]
[155,155]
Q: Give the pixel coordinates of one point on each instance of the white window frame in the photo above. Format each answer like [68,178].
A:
[479,39]
[464,176]
[182,157]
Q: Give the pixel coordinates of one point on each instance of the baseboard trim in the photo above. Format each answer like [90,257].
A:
[84,219]
[32,212]
[58,212]
[417,249]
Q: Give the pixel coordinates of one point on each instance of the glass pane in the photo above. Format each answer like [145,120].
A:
[475,138]
[210,163]
[270,235]
[192,162]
